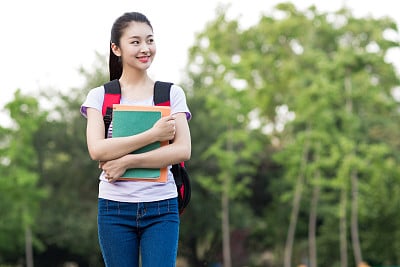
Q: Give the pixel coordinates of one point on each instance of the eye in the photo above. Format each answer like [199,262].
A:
[150,40]
[135,42]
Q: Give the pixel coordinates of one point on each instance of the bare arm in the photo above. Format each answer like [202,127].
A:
[104,149]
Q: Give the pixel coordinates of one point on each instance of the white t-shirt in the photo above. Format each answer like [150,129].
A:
[137,191]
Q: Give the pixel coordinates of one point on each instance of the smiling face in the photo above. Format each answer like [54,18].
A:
[136,46]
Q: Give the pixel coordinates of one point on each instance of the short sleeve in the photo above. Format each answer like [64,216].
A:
[178,101]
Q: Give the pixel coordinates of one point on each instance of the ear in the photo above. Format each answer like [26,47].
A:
[115,49]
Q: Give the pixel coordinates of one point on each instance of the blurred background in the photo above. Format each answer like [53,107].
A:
[295,148]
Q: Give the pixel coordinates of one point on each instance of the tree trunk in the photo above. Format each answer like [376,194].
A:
[293,221]
[226,243]
[28,247]
[287,261]
[354,219]
[312,226]
[343,229]
[226,240]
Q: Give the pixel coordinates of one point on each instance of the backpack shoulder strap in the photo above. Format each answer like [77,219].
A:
[112,95]
[162,93]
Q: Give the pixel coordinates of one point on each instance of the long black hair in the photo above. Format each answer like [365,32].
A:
[115,64]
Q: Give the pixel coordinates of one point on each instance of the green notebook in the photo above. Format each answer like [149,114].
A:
[131,122]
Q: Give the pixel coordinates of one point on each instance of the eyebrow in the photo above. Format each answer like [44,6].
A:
[138,37]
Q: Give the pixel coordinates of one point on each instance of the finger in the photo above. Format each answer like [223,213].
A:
[170,118]
[166,118]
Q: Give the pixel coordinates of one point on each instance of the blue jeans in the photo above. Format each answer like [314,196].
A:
[129,231]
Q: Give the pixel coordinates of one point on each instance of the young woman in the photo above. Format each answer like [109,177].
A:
[136,219]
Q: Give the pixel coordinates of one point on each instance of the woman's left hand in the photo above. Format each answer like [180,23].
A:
[113,169]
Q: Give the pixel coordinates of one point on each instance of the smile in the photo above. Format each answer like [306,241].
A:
[144,59]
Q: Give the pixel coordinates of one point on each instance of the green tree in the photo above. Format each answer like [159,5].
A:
[345,85]
[48,183]
[233,148]
[319,83]
[68,223]
[20,191]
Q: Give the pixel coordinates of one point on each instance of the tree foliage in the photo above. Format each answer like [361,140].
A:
[318,84]
[20,190]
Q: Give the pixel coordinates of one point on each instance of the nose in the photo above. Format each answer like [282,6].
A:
[144,48]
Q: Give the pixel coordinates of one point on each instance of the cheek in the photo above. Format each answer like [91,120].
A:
[153,50]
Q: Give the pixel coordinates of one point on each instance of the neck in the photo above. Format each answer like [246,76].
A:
[134,80]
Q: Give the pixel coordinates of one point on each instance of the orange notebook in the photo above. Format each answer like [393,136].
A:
[130,120]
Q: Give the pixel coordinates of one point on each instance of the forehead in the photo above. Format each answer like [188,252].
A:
[137,29]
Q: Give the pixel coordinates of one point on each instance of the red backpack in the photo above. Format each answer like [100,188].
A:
[161,97]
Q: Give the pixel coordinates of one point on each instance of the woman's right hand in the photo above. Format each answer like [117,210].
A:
[164,128]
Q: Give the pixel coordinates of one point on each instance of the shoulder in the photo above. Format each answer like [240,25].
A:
[97,92]
[94,99]
[176,87]
[96,95]
[177,91]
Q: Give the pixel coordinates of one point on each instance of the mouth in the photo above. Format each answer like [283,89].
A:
[144,59]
